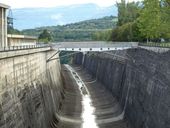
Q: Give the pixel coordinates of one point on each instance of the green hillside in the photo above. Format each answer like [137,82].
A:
[84,30]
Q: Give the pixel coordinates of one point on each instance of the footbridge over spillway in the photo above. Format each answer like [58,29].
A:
[95,46]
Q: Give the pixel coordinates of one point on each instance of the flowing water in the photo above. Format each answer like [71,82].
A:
[88,117]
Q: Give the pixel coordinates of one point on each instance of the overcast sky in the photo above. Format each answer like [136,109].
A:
[54,3]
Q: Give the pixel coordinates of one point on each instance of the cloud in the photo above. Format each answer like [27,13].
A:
[58,19]
[56,16]
[53,3]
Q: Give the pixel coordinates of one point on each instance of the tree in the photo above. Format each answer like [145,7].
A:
[121,12]
[165,19]
[149,22]
[126,32]
[127,12]
[45,36]
[11,30]
[102,35]
[127,15]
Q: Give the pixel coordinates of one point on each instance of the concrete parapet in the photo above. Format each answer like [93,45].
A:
[8,54]
[155,49]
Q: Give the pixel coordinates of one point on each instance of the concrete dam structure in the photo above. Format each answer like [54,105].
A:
[31,89]
[120,89]
[140,81]
[107,85]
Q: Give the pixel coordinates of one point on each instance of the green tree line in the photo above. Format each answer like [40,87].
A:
[141,21]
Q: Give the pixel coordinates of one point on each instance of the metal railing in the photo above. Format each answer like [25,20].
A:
[162,45]
[23,47]
[97,44]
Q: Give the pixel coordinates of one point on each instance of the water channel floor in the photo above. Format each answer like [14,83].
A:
[89,119]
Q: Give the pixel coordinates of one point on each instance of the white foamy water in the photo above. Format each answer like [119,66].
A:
[89,119]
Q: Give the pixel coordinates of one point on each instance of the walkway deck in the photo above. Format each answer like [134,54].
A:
[95,46]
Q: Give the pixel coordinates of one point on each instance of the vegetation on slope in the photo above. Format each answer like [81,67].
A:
[11,30]
[146,21]
[81,31]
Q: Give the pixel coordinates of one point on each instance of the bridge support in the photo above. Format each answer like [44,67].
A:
[84,53]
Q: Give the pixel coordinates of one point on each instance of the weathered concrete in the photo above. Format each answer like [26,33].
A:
[3,25]
[69,115]
[108,111]
[21,40]
[30,88]
[34,94]
[143,80]
[155,49]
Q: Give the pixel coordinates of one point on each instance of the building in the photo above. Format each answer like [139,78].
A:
[3,25]
[7,40]
[18,40]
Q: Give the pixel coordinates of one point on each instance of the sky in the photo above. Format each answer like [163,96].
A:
[55,3]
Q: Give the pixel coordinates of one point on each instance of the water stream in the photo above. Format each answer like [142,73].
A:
[89,119]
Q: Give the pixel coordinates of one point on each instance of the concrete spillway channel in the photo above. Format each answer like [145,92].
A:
[87,103]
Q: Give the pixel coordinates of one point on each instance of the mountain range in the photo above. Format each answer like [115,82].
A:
[27,18]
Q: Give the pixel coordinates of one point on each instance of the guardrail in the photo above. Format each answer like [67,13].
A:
[162,45]
[23,47]
[95,44]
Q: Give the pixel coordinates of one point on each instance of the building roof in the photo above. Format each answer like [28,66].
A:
[22,37]
[4,6]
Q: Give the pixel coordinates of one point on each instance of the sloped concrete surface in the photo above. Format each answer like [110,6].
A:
[69,115]
[142,82]
[107,111]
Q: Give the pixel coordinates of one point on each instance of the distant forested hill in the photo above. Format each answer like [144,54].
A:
[76,31]
[28,18]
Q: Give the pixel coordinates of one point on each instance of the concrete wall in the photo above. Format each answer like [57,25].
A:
[3,26]
[18,40]
[30,88]
[143,79]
